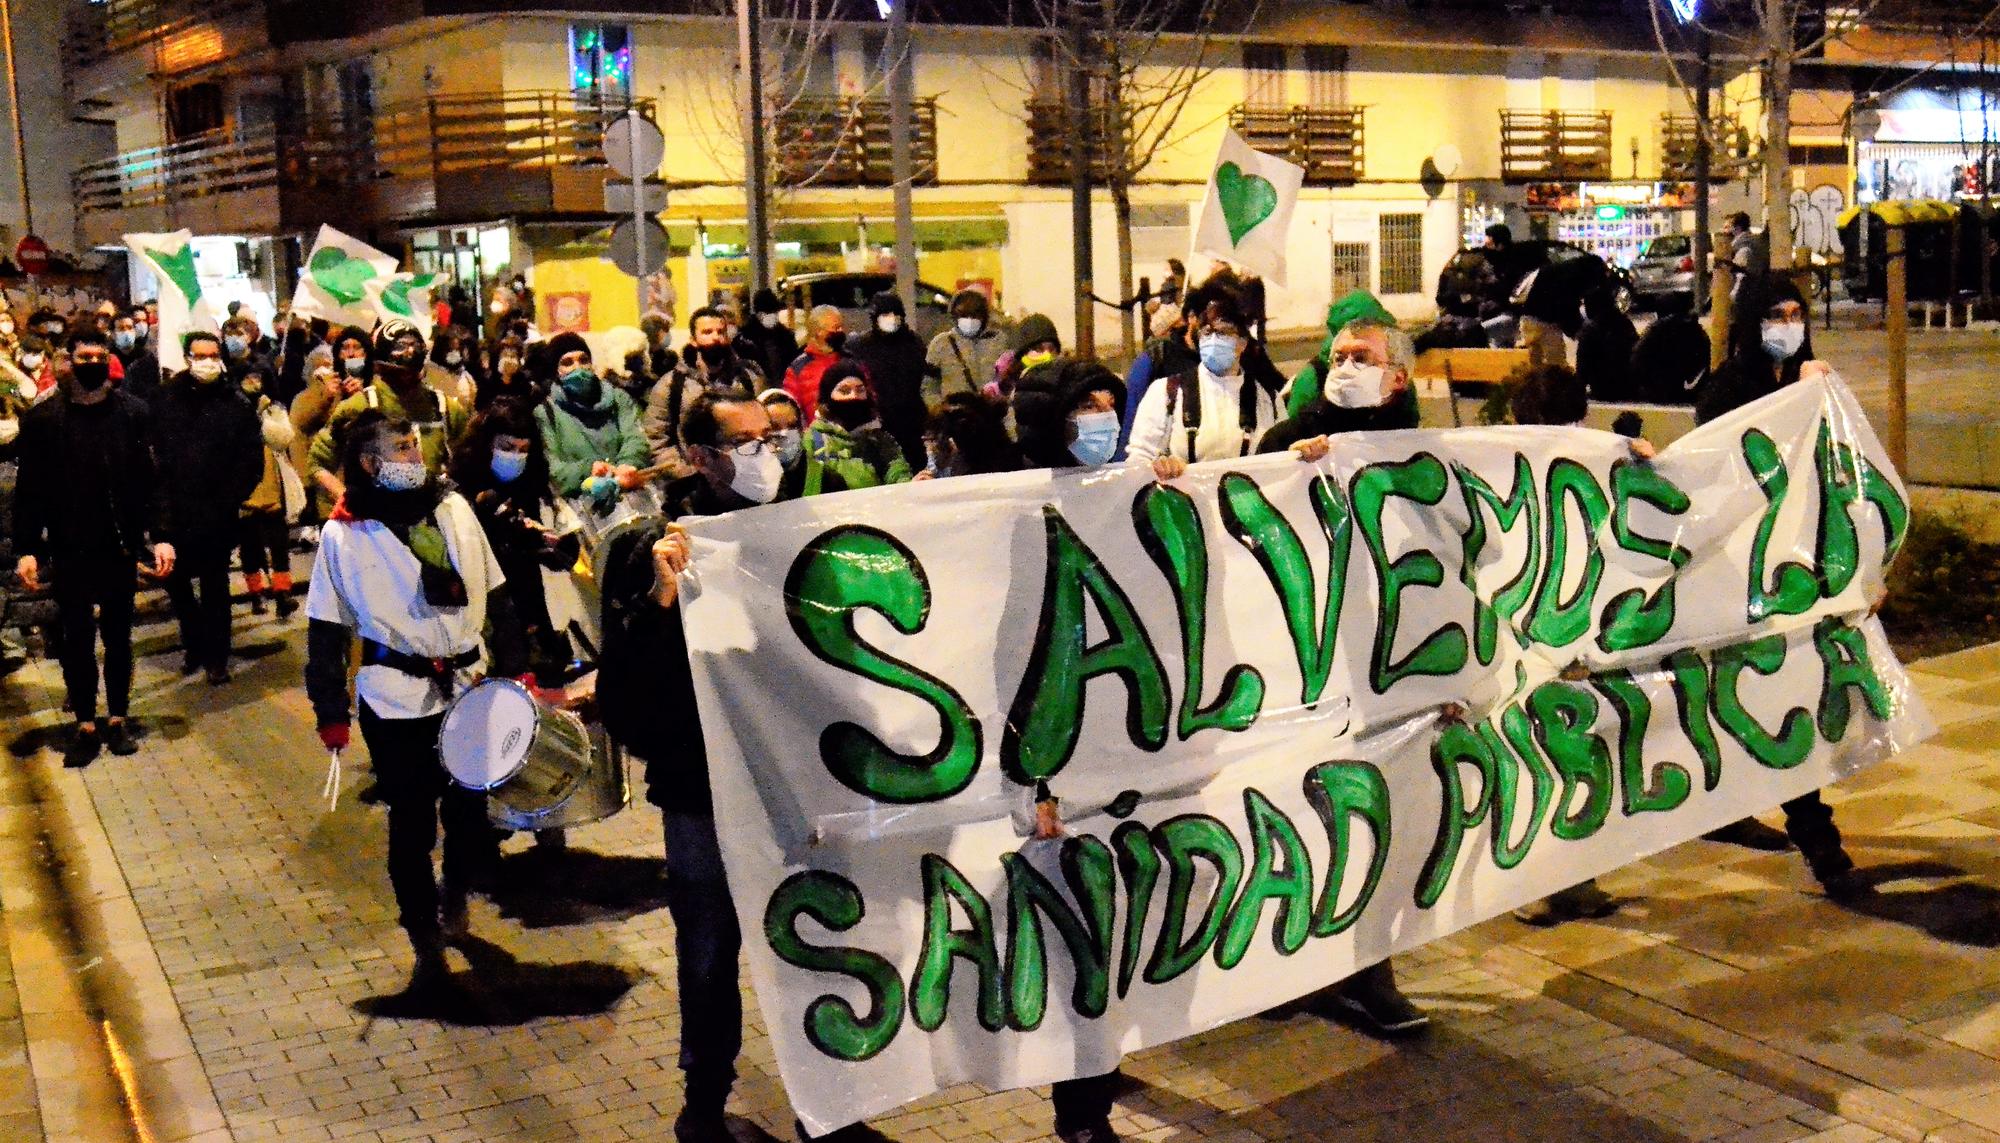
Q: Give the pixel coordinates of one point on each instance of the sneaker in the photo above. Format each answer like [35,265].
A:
[286,604]
[1578,902]
[118,738]
[257,605]
[454,915]
[1099,1132]
[1751,834]
[1383,1012]
[83,748]
[702,1125]
[190,664]
[218,676]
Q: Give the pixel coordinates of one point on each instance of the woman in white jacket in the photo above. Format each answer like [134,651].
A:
[1213,411]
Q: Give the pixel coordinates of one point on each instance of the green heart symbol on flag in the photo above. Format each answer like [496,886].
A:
[178,268]
[1246,200]
[396,295]
[340,274]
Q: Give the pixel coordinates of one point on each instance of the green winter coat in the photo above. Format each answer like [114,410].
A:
[609,430]
[863,458]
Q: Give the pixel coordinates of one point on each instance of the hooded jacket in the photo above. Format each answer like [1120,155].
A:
[1750,373]
[862,457]
[576,436]
[899,373]
[1045,396]
[961,364]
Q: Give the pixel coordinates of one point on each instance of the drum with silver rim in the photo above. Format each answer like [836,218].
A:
[527,756]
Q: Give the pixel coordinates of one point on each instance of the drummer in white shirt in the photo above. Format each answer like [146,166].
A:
[404,565]
[1214,411]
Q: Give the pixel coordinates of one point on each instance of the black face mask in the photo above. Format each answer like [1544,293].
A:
[851,413]
[713,355]
[91,375]
[835,340]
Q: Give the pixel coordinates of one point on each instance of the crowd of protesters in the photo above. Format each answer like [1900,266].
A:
[445,480]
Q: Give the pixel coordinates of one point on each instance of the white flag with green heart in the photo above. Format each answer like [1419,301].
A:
[1248,211]
[182,307]
[405,296]
[334,284]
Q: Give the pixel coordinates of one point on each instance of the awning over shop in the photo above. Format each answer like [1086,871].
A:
[1903,213]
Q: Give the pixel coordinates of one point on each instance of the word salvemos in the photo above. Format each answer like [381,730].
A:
[1556,758]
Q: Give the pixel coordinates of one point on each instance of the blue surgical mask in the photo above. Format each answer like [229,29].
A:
[789,446]
[125,339]
[508,465]
[1096,438]
[235,345]
[1219,353]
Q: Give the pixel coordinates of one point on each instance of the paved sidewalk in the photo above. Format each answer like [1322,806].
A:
[1726,1001]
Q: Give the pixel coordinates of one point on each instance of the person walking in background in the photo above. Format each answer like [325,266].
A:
[211,457]
[826,343]
[264,537]
[967,436]
[142,367]
[898,373]
[962,358]
[1604,347]
[85,514]
[1036,342]
[508,375]
[766,340]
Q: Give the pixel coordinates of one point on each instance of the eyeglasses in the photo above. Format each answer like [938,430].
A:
[1357,357]
[750,448]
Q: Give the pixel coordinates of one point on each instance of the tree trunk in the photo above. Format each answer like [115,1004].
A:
[1778,45]
[1120,149]
[1121,202]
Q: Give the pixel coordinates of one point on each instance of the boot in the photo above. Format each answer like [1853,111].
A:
[1371,1000]
[702,1119]
[281,592]
[430,973]
[253,586]
[454,914]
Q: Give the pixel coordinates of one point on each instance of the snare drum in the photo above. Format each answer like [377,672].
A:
[527,756]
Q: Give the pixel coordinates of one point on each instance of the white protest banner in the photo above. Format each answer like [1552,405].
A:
[334,284]
[406,296]
[1245,688]
[183,309]
[1248,212]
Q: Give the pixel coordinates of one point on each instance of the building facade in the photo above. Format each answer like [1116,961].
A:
[466,135]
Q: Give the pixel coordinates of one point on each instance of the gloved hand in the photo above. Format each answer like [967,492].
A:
[334,736]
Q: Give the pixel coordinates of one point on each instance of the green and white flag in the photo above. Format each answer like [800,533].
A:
[182,308]
[404,296]
[335,283]
[1248,211]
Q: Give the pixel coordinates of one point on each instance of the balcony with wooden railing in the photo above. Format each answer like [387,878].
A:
[1326,141]
[187,31]
[847,142]
[1678,136]
[1555,146]
[448,158]
[1048,142]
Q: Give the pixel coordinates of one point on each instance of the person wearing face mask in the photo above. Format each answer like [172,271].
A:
[85,512]
[332,376]
[453,367]
[1770,347]
[141,365]
[507,374]
[10,335]
[709,361]
[211,455]
[788,437]
[765,339]
[1365,389]
[32,357]
[826,343]
[847,435]
[1212,411]
[1035,343]
[645,692]
[242,357]
[399,388]
[962,358]
[404,565]
[898,372]
[502,469]
[1310,382]
[592,431]
[49,325]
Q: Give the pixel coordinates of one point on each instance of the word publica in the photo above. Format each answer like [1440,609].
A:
[854,567]
[1582,744]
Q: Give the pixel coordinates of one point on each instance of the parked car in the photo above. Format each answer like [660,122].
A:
[850,292]
[1664,271]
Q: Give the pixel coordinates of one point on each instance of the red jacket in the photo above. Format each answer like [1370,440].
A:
[802,378]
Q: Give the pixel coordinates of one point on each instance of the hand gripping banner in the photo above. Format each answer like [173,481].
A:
[1298,716]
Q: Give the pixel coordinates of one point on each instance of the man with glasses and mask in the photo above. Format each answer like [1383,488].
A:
[708,361]
[84,515]
[646,695]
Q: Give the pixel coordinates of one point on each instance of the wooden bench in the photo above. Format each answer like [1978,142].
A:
[1438,369]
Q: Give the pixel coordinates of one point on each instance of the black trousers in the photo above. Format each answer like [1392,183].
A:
[93,594]
[706,943]
[403,753]
[1809,823]
[204,620]
[265,541]
[1084,1100]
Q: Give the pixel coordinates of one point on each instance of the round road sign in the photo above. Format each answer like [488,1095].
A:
[31,255]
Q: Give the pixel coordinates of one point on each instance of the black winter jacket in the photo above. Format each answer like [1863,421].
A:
[50,515]
[211,455]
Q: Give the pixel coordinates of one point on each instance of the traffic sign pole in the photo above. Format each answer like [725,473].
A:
[634,147]
[638,175]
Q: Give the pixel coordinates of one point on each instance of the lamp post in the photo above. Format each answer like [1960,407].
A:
[14,105]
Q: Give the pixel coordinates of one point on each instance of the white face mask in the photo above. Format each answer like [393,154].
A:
[888,323]
[1351,385]
[454,358]
[970,326]
[31,361]
[205,368]
[401,475]
[757,477]
[770,321]
[1783,338]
